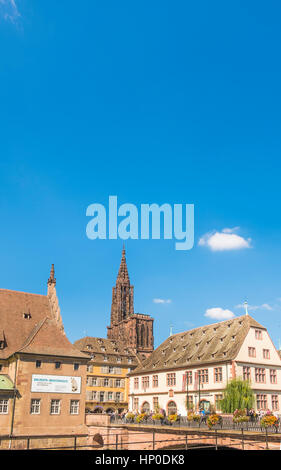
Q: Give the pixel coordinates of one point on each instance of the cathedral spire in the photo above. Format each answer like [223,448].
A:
[123,275]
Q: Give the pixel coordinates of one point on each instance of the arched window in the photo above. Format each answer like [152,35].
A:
[172,408]
[145,407]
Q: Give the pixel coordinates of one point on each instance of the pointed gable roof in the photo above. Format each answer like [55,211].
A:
[30,326]
[211,343]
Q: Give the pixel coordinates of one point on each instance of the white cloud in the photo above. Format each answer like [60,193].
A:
[256,307]
[9,10]
[162,301]
[218,313]
[227,239]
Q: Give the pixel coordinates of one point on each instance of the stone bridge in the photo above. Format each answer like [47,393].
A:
[105,435]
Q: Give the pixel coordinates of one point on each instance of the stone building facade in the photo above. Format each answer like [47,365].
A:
[195,366]
[42,375]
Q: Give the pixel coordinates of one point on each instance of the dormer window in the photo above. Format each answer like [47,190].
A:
[105,358]
[89,346]
[103,348]
[27,316]
[2,344]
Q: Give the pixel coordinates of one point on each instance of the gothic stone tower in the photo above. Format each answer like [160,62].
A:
[134,329]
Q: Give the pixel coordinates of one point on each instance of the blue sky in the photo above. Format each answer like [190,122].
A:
[155,102]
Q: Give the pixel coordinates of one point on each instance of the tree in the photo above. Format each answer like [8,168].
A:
[238,395]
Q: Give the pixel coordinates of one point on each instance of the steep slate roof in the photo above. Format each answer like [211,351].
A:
[206,344]
[112,349]
[38,334]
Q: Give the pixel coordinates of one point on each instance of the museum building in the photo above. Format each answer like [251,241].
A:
[42,375]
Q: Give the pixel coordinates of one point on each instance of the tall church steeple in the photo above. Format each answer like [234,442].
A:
[134,329]
[122,294]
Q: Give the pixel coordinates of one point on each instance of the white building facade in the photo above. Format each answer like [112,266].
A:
[197,365]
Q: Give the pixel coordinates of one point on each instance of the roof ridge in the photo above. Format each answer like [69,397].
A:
[212,325]
[21,292]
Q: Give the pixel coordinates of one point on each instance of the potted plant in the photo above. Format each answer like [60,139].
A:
[240,417]
[213,419]
[141,417]
[130,417]
[158,417]
[269,420]
[173,418]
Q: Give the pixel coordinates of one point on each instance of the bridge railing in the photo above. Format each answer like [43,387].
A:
[227,423]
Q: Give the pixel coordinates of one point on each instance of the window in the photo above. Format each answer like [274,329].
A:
[251,351]
[55,407]
[118,383]
[145,407]
[203,376]
[1,367]
[89,368]
[57,365]
[246,373]
[38,364]
[145,382]
[266,353]
[136,382]
[273,376]
[189,377]
[218,374]
[130,360]
[262,402]
[171,379]
[101,396]
[172,408]
[74,407]
[2,344]
[118,359]
[155,381]
[4,404]
[117,396]
[258,334]
[105,358]
[190,402]
[75,366]
[218,399]
[35,406]
[136,404]
[274,403]
[27,316]
[110,396]
[260,375]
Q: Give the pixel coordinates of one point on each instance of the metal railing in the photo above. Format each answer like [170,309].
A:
[226,424]
[151,441]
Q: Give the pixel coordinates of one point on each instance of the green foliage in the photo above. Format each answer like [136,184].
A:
[237,395]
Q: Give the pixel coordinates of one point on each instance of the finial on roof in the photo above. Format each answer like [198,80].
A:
[246,307]
[52,279]
[171,330]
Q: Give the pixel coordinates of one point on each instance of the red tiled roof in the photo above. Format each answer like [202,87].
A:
[38,334]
